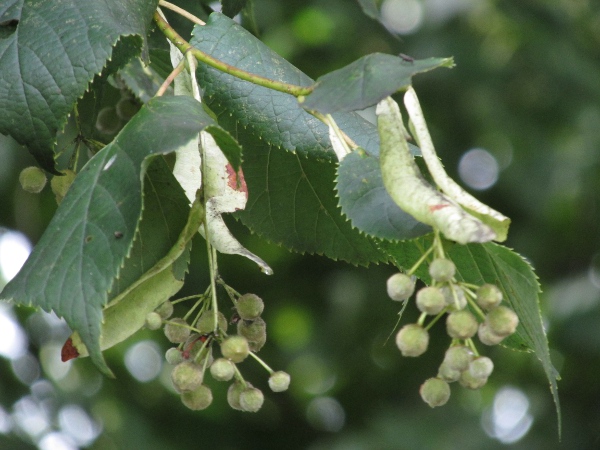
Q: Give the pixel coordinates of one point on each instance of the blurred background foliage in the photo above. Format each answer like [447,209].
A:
[524,98]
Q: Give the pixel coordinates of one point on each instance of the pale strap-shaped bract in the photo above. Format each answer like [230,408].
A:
[411,192]
[340,147]
[494,219]
[126,313]
[224,190]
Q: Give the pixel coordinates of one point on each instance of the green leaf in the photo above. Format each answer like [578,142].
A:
[232,7]
[50,57]
[368,205]
[272,126]
[144,81]
[127,311]
[74,265]
[10,12]
[496,264]
[370,8]
[366,81]
[274,117]
[166,210]
[291,202]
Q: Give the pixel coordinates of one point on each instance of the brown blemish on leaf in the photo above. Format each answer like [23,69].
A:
[438,207]
[236,181]
[68,351]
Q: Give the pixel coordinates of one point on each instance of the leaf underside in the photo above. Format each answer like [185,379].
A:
[367,204]
[366,81]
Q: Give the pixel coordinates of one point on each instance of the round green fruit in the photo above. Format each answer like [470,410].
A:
[198,399]
[186,376]
[206,322]
[455,297]
[235,348]
[442,270]
[255,346]
[412,340]
[447,373]
[222,369]
[470,382]
[173,356]
[487,336]
[165,310]
[430,300]
[435,392]
[153,321]
[251,399]
[489,296]
[461,324]
[255,330]
[60,184]
[176,330]
[233,394]
[481,367]
[279,381]
[32,179]
[502,321]
[400,287]
[249,306]
[458,357]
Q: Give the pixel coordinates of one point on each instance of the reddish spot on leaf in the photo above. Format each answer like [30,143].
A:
[438,207]
[236,181]
[68,351]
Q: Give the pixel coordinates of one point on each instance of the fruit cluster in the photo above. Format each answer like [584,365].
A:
[469,310]
[194,353]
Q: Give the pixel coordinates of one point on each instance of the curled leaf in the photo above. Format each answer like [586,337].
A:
[407,187]
[497,221]
[225,191]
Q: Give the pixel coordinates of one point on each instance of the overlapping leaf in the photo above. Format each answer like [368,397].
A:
[365,201]
[73,267]
[272,122]
[291,202]
[146,279]
[232,7]
[366,81]
[272,116]
[52,53]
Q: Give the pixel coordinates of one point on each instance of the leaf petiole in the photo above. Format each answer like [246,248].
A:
[185,46]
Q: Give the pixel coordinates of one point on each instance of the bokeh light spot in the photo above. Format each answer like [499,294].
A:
[478,169]
[78,425]
[508,420]
[402,16]
[14,250]
[26,368]
[144,360]
[326,413]
[6,422]
[292,327]
[313,26]
[13,342]
[312,375]
[56,441]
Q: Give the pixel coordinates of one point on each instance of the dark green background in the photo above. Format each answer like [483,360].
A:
[527,82]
